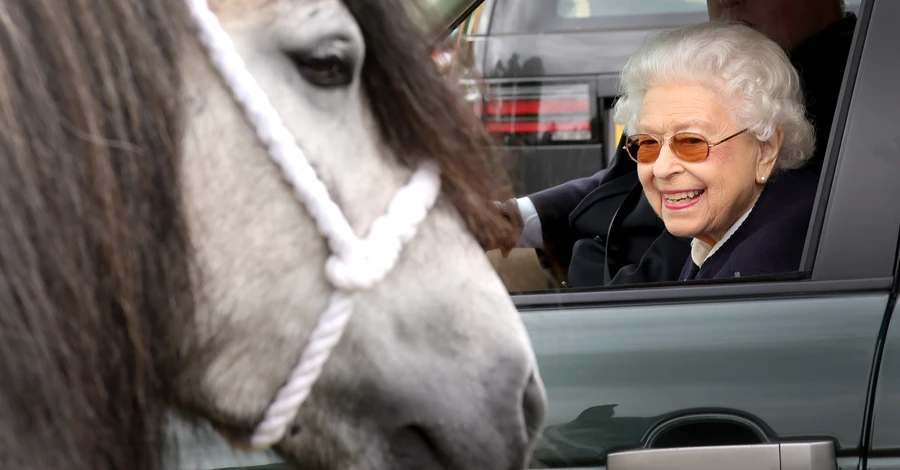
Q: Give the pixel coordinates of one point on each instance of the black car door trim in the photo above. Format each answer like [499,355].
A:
[836,138]
[708,291]
[857,236]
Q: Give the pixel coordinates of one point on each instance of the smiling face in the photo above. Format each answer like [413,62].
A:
[702,199]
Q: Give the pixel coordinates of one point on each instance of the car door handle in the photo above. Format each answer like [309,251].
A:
[778,456]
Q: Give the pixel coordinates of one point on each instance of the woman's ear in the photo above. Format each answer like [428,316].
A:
[768,155]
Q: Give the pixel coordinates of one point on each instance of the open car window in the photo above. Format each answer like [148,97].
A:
[542,75]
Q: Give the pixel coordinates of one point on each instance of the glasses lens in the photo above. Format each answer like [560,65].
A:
[690,147]
[643,148]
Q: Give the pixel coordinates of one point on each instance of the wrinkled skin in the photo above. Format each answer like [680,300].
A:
[730,179]
[435,369]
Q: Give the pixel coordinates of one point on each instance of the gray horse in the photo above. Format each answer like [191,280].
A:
[154,259]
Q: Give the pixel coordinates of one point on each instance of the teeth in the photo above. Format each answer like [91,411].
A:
[685,196]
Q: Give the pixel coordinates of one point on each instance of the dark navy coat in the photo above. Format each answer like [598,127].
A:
[772,237]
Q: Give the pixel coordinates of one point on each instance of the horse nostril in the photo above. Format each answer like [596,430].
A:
[413,448]
[533,407]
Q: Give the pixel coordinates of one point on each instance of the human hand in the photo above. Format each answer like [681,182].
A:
[509,209]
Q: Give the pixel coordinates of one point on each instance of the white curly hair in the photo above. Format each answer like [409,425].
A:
[760,83]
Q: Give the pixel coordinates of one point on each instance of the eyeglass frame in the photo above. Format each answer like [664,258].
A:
[664,142]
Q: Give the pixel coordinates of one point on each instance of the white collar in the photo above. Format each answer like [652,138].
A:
[701,251]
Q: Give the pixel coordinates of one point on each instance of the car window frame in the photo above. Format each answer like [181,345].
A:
[633,21]
[446,19]
[645,21]
[844,199]
[826,237]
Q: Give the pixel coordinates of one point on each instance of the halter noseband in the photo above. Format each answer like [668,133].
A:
[355,263]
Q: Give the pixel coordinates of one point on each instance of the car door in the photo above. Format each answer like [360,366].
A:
[739,374]
[882,438]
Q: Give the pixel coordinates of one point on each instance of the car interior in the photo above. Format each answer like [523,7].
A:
[515,110]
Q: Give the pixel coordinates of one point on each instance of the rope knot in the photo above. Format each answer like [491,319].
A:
[364,263]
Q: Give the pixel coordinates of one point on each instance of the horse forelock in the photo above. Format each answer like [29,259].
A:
[423,116]
[93,267]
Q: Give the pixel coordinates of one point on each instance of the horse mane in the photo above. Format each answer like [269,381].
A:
[423,115]
[95,257]
[93,248]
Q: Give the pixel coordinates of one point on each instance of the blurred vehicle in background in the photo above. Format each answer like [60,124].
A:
[543,74]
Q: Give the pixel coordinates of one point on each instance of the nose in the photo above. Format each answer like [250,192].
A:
[455,430]
[667,164]
[534,408]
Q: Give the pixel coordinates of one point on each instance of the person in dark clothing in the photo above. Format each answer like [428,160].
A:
[714,113]
[771,239]
[602,229]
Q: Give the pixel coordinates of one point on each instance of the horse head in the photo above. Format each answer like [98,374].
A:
[168,262]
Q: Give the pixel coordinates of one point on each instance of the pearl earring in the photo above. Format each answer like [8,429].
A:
[762,179]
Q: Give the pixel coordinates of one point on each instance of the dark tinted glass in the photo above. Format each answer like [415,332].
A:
[532,16]
[535,16]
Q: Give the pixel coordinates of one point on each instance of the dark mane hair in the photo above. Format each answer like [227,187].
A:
[423,115]
[95,258]
[93,264]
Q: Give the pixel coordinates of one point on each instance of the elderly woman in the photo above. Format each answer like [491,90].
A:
[717,126]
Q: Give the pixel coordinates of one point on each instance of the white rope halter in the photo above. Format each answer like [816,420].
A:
[355,263]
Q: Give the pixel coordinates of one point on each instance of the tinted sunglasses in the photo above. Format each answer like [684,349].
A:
[688,146]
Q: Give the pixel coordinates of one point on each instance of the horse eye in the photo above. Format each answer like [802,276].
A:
[323,70]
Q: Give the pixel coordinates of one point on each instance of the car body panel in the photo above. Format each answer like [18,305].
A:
[885,444]
[615,373]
